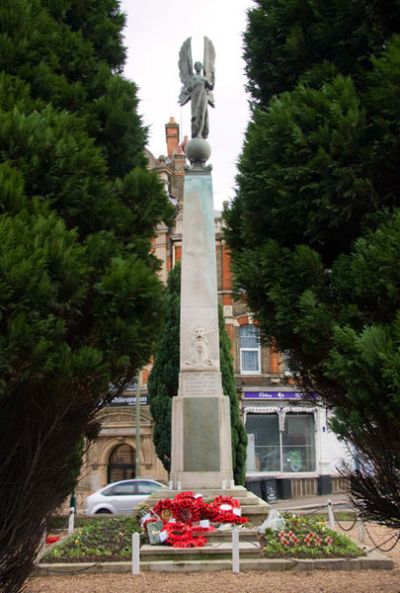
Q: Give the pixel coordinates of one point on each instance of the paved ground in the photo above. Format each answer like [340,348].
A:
[371,581]
[314,501]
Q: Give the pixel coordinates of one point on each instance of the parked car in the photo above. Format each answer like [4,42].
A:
[120,498]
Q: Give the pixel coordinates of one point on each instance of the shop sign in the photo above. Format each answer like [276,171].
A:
[276,395]
[122,400]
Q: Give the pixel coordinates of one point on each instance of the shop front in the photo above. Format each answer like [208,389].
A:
[291,451]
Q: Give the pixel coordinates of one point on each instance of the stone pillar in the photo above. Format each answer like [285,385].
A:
[201,455]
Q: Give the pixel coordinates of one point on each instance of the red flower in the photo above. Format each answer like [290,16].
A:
[181,535]
[163,508]
[187,507]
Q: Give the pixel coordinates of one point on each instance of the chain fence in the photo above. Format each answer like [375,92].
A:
[347,526]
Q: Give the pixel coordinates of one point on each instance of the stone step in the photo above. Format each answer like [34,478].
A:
[205,565]
[212,551]
[206,492]
[252,506]
[243,500]
[225,535]
[372,561]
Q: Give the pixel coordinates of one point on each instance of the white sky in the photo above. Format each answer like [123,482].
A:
[155,32]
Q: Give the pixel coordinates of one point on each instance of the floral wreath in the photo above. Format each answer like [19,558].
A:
[164,508]
[187,517]
[180,535]
[188,508]
[225,509]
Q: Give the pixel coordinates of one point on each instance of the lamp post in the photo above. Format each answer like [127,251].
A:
[137,408]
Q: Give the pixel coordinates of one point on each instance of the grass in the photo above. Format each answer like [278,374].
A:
[308,537]
[97,541]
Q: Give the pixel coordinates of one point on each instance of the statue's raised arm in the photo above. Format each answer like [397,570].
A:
[196,86]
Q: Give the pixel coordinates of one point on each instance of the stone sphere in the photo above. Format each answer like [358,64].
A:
[198,150]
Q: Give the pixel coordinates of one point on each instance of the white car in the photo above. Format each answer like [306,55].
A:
[120,498]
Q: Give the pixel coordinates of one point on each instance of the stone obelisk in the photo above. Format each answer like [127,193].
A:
[201,455]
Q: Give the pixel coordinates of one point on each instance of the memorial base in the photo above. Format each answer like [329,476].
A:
[201,442]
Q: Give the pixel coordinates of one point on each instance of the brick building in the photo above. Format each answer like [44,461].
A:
[291,450]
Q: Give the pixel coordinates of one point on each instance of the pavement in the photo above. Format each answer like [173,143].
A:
[340,500]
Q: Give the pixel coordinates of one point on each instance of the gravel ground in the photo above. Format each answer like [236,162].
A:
[367,581]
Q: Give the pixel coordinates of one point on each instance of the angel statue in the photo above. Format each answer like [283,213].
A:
[196,86]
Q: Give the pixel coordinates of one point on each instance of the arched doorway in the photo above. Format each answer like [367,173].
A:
[121,464]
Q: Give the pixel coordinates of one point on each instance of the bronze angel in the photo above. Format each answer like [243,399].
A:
[197,87]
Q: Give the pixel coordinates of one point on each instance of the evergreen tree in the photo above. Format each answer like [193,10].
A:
[80,301]
[164,379]
[314,227]
[238,431]
[164,376]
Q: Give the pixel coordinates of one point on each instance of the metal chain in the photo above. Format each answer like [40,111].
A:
[379,546]
[302,510]
[346,528]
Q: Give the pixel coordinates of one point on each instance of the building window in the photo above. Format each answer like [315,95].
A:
[250,350]
[289,450]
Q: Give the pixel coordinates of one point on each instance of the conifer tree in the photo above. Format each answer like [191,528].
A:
[315,225]
[164,376]
[80,301]
[164,379]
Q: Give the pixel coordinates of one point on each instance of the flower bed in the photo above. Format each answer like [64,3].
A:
[99,540]
[305,537]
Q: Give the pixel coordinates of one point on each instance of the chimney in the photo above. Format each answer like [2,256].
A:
[172,136]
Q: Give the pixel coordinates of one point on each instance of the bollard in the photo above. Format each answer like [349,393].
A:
[331,515]
[235,550]
[135,553]
[71,520]
[361,530]
[179,486]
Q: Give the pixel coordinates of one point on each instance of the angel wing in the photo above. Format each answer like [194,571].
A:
[209,61]
[185,69]
[209,68]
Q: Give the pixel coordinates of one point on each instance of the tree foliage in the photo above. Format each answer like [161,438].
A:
[80,301]
[314,227]
[164,381]
[238,431]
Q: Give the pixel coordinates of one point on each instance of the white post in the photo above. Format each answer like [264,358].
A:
[71,520]
[171,485]
[361,530]
[135,553]
[331,515]
[179,485]
[231,484]
[235,550]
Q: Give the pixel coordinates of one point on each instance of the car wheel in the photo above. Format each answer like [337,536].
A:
[103,512]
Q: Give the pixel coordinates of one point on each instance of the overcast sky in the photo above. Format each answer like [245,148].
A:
[155,32]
